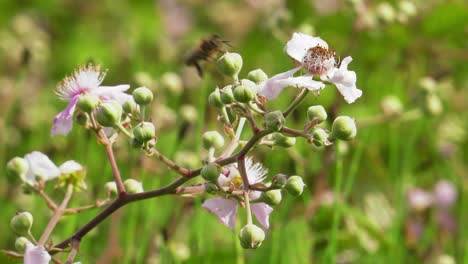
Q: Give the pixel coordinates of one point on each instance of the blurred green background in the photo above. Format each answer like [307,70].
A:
[415,51]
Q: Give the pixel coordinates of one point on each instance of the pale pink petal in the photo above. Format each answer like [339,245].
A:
[300,43]
[224,209]
[445,194]
[40,165]
[262,212]
[345,81]
[419,200]
[271,88]
[63,122]
[70,167]
[36,255]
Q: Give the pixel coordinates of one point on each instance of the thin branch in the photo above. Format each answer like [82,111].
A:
[115,169]
[50,203]
[75,246]
[296,102]
[171,164]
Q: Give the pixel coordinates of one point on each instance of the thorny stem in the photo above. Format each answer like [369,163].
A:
[56,216]
[115,169]
[296,102]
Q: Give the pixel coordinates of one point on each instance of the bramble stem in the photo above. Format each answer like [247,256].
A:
[296,102]
[115,169]
[75,246]
[56,216]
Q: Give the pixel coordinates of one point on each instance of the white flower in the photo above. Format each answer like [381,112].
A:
[313,55]
[36,254]
[39,165]
[86,79]
[226,209]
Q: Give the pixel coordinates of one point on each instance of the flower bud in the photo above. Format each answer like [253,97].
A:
[212,139]
[243,94]
[144,132]
[111,189]
[320,137]
[215,99]
[20,244]
[16,169]
[211,188]
[272,197]
[295,185]
[391,106]
[131,107]
[189,113]
[230,64]
[108,114]
[133,186]
[344,128]
[211,172]
[21,223]
[257,76]
[317,112]
[279,181]
[283,141]
[251,236]
[227,96]
[81,118]
[88,102]
[433,105]
[274,120]
[172,82]
[142,95]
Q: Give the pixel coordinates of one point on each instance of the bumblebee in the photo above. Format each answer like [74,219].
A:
[205,52]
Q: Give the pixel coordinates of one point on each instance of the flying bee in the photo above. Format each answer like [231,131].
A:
[205,52]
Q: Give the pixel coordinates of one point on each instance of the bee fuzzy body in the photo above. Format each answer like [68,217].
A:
[205,52]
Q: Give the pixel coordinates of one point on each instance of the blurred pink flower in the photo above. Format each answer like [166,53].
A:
[86,79]
[313,55]
[445,194]
[419,200]
[226,209]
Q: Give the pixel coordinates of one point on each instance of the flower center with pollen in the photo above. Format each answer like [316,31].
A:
[319,60]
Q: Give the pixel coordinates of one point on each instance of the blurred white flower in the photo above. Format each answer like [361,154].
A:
[36,254]
[313,55]
[226,209]
[85,80]
[419,200]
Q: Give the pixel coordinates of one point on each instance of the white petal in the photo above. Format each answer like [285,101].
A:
[345,81]
[270,88]
[107,90]
[224,209]
[36,255]
[262,212]
[70,167]
[40,165]
[300,43]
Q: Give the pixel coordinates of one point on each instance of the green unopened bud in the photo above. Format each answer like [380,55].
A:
[257,76]
[142,95]
[21,223]
[16,169]
[172,82]
[317,112]
[230,64]
[433,105]
[272,197]
[279,181]
[144,132]
[391,106]
[133,186]
[211,188]
[81,118]
[251,236]
[344,128]
[320,137]
[131,107]
[189,113]
[243,94]
[211,172]
[215,99]
[20,244]
[295,185]
[283,141]
[227,96]
[111,189]
[108,114]
[212,139]
[274,120]
[88,102]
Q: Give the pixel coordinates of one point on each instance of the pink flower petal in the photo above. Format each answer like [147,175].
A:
[36,255]
[224,209]
[63,122]
[262,212]
[300,43]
